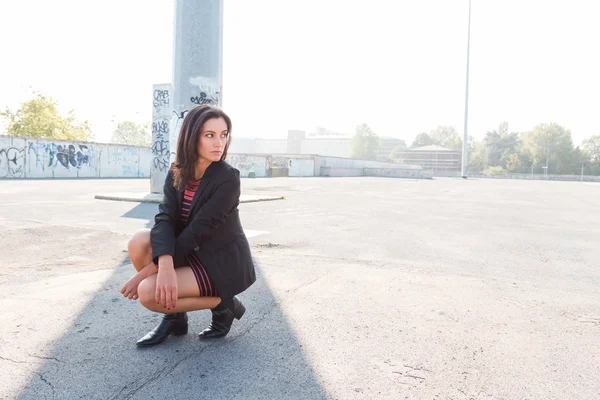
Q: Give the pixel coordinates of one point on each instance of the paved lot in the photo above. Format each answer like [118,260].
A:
[367,288]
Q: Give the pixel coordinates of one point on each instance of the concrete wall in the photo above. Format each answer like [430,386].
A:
[41,158]
[540,177]
[264,165]
[260,165]
[248,164]
[38,158]
[336,162]
[380,172]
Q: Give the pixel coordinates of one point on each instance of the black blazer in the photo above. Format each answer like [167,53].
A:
[214,231]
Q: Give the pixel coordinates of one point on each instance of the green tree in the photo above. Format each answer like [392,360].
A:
[365,143]
[446,136]
[128,132]
[591,150]
[477,155]
[502,146]
[39,117]
[513,162]
[421,140]
[554,143]
[395,153]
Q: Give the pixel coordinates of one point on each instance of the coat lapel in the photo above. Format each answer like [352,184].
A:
[201,187]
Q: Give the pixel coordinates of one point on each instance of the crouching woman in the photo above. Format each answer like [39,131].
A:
[196,256]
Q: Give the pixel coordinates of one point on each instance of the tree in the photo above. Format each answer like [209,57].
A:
[446,136]
[128,132]
[551,142]
[500,146]
[365,143]
[421,140]
[477,155]
[394,155]
[39,117]
[591,150]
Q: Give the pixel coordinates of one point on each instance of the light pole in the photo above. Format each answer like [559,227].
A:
[547,151]
[464,152]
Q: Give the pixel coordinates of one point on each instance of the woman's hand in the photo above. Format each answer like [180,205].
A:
[130,288]
[166,283]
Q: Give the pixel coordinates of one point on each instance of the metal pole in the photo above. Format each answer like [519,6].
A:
[582,164]
[547,151]
[465,138]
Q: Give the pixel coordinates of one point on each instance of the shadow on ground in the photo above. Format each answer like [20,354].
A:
[97,358]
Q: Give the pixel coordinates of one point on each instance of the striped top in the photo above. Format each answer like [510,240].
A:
[188,195]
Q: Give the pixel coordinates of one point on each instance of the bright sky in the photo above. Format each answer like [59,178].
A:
[399,66]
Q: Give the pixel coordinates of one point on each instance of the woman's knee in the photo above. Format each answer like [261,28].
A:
[139,242]
[147,293]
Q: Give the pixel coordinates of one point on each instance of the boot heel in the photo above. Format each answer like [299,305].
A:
[239,312]
[179,331]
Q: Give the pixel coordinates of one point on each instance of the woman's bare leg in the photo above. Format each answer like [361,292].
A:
[140,253]
[140,249]
[188,294]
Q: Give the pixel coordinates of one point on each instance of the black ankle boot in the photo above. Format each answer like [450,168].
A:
[222,319]
[176,324]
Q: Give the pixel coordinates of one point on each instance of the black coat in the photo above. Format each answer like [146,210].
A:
[214,231]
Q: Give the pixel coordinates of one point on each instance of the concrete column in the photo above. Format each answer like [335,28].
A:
[162,110]
[197,59]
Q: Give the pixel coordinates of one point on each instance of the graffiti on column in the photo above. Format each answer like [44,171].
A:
[12,161]
[207,92]
[204,98]
[161,99]
[175,126]
[161,132]
[160,147]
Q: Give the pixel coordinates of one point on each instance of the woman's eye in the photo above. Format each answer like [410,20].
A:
[209,135]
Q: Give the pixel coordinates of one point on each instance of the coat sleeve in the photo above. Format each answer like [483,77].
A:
[210,216]
[162,234]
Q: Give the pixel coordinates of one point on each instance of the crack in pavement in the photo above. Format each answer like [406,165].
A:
[14,361]
[273,304]
[45,358]
[157,376]
[47,382]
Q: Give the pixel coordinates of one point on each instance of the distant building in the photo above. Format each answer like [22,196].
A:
[388,144]
[439,160]
[322,142]
[325,132]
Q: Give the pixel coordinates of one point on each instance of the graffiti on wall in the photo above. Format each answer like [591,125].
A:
[51,155]
[12,162]
[249,166]
[128,158]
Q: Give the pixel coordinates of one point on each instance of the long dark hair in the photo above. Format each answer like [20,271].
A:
[184,166]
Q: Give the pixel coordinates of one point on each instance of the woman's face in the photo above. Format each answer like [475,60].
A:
[213,139]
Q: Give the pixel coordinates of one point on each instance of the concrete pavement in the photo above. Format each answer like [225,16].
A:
[368,288]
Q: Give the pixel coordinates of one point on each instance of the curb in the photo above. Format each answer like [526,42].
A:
[157,198]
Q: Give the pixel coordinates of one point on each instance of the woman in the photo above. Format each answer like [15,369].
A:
[196,255]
